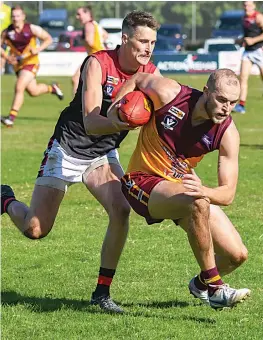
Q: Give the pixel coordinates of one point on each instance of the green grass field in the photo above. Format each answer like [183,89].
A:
[46,284]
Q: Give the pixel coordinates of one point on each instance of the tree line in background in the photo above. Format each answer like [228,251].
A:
[203,13]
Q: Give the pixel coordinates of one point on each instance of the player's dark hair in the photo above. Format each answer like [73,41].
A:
[139,18]
[86,9]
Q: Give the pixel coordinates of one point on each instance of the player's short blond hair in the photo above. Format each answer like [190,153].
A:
[215,79]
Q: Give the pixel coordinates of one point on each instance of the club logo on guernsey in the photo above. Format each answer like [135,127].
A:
[109,89]
[207,141]
[11,35]
[176,112]
[112,80]
[169,122]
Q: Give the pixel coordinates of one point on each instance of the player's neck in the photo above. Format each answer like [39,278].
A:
[19,27]
[250,14]
[88,21]
[199,115]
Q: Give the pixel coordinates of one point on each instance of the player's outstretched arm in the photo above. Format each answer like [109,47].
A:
[94,123]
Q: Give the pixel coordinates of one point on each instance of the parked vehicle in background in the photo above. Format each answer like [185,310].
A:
[229,25]
[163,46]
[218,45]
[55,21]
[173,34]
[71,42]
[113,27]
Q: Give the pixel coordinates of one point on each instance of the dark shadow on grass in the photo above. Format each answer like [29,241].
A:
[45,304]
[158,304]
[252,146]
[49,304]
[37,118]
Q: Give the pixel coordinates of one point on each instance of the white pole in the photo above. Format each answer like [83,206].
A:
[193,21]
[117,9]
[40,7]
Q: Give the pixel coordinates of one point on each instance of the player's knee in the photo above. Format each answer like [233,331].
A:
[36,231]
[240,257]
[19,89]
[120,210]
[199,207]
[32,93]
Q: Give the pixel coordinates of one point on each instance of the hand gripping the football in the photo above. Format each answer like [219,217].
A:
[113,115]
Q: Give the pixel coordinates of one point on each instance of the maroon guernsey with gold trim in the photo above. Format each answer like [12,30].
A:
[169,145]
[20,44]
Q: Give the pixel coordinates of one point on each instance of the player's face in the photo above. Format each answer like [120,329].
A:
[82,16]
[18,17]
[249,7]
[221,102]
[141,44]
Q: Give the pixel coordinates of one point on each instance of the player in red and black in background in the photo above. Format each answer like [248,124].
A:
[84,146]
[253,54]
[21,37]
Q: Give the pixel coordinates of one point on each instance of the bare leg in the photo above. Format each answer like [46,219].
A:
[229,248]
[24,78]
[246,66]
[37,220]
[105,186]
[167,200]
[36,89]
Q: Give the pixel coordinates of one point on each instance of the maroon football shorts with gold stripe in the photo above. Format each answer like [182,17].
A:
[32,68]
[137,187]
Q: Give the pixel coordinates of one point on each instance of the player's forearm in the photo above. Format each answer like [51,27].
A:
[129,86]
[257,39]
[96,124]
[222,195]
[45,43]
[4,55]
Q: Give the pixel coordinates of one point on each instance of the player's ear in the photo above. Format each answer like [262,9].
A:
[124,38]
[205,89]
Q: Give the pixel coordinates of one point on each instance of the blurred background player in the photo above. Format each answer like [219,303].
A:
[94,37]
[253,54]
[21,37]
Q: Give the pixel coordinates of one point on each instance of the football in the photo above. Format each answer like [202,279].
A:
[135,108]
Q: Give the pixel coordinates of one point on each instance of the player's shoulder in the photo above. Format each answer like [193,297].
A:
[9,28]
[105,57]
[231,133]
[89,26]
[36,30]
[3,33]
[259,17]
